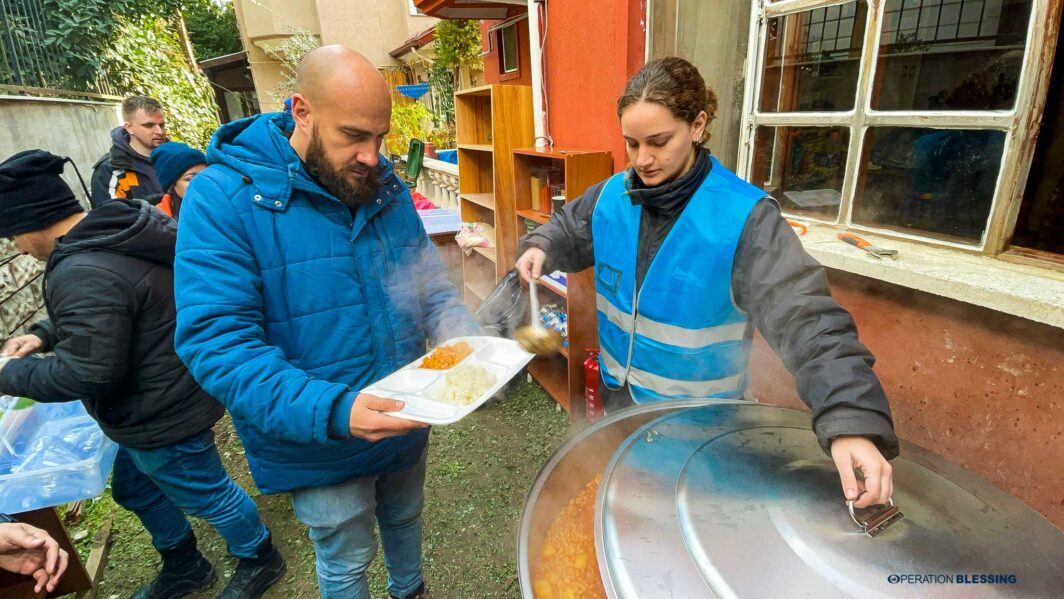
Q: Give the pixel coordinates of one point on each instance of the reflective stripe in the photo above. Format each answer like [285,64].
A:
[669,334]
[613,313]
[615,369]
[676,388]
[671,387]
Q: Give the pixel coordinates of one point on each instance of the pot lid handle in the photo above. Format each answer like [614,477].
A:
[875,519]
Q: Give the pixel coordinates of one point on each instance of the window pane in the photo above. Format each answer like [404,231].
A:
[802,167]
[950,54]
[938,181]
[812,59]
[509,49]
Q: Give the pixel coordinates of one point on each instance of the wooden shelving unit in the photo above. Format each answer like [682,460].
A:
[491,120]
[562,376]
[486,200]
[534,215]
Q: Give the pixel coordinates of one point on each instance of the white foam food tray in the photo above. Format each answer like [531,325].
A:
[418,387]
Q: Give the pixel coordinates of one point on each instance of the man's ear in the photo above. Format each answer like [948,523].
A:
[301,110]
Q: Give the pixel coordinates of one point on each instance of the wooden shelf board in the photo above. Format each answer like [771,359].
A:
[564,351]
[478,289]
[488,253]
[552,153]
[480,90]
[476,147]
[553,286]
[471,300]
[534,215]
[486,200]
[552,375]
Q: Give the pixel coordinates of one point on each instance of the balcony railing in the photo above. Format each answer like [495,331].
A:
[439,183]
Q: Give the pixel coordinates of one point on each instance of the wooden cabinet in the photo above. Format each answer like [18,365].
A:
[563,375]
[491,120]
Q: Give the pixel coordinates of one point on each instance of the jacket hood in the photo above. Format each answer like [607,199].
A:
[127,227]
[123,156]
[258,148]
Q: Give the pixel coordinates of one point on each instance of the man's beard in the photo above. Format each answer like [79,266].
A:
[353,195]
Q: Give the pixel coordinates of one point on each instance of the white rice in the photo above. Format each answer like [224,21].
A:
[465,384]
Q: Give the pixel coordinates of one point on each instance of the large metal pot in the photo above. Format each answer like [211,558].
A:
[570,468]
[737,500]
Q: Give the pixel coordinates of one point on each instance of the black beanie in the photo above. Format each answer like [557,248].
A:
[32,195]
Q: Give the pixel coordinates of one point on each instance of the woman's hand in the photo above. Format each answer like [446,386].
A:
[877,487]
[530,264]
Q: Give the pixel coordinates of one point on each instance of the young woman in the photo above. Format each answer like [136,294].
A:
[688,260]
[175,165]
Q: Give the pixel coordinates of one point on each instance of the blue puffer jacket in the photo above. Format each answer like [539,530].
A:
[288,305]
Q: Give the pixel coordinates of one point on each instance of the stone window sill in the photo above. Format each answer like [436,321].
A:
[1021,290]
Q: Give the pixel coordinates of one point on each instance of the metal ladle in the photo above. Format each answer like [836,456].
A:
[536,338]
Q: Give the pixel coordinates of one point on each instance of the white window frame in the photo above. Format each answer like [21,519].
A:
[414,10]
[1020,124]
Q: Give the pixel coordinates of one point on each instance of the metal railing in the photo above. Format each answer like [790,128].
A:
[31,65]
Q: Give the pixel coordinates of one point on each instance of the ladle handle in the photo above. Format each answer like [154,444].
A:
[533,299]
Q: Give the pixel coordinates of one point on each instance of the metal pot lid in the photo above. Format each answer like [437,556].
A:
[740,501]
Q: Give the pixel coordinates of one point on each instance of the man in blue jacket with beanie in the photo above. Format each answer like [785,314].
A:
[304,274]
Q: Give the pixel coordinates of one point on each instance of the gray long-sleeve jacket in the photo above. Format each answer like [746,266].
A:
[786,294]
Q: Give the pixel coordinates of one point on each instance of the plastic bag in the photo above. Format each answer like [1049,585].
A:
[503,311]
[474,235]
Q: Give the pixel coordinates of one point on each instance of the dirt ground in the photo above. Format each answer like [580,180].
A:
[478,473]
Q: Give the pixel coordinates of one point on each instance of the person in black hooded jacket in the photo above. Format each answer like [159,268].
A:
[125,171]
[108,290]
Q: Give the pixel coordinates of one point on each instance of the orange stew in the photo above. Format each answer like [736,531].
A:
[567,567]
[446,356]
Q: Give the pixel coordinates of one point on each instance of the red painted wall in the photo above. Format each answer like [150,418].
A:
[492,73]
[593,47]
[983,389]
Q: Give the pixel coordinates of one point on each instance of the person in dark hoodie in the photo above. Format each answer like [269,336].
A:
[108,290]
[125,171]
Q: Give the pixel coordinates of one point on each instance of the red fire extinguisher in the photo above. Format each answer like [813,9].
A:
[593,409]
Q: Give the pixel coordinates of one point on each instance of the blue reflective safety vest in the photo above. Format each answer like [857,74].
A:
[681,335]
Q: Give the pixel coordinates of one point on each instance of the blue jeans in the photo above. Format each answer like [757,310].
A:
[341,521]
[161,485]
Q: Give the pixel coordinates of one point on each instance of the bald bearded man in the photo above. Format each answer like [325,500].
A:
[303,274]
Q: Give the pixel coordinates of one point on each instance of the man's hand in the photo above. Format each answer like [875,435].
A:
[21,346]
[877,487]
[369,419]
[530,264]
[31,551]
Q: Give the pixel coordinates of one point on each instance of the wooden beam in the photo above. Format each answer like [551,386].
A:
[97,561]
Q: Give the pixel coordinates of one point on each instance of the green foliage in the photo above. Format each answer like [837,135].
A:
[441,82]
[409,121]
[212,28]
[147,57]
[79,31]
[458,44]
[443,137]
[289,53]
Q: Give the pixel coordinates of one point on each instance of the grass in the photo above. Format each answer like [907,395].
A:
[479,470]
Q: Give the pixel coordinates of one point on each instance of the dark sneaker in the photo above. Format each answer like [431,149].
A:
[256,574]
[185,571]
[419,593]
